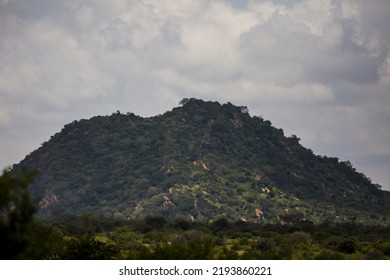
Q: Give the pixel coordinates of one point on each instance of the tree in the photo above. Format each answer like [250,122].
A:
[16,213]
[88,248]
[184,101]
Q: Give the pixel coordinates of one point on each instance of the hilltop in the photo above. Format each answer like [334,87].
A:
[201,161]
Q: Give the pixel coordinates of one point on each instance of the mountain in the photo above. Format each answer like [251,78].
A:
[201,161]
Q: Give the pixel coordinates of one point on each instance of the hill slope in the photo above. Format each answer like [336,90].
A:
[200,161]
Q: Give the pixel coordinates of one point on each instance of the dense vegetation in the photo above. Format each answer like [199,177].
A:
[201,161]
[93,237]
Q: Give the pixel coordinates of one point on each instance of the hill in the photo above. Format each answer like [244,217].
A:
[201,161]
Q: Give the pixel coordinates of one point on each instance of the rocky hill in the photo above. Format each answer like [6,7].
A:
[201,161]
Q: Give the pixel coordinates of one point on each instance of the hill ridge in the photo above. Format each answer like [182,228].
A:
[200,161]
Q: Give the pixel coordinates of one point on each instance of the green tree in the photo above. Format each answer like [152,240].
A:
[88,248]
[187,251]
[16,213]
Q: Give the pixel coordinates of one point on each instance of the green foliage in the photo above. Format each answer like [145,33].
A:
[203,181]
[16,213]
[87,248]
[185,251]
[219,240]
[199,162]
[45,242]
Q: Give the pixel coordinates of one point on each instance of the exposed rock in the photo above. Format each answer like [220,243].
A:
[168,203]
[201,164]
[236,121]
[266,190]
[48,200]
[259,213]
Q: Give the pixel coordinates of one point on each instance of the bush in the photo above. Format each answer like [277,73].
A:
[375,254]
[327,254]
[347,246]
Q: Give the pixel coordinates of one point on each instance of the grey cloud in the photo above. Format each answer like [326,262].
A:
[318,69]
[334,56]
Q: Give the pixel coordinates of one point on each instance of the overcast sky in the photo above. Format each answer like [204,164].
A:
[319,69]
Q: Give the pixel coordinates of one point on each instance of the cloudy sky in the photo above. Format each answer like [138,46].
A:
[319,69]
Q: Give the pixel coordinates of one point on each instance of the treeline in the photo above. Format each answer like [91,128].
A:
[94,237]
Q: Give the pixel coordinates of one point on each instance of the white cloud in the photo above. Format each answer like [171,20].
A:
[46,61]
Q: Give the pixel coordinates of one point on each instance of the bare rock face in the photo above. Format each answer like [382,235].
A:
[259,213]
[48,201]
